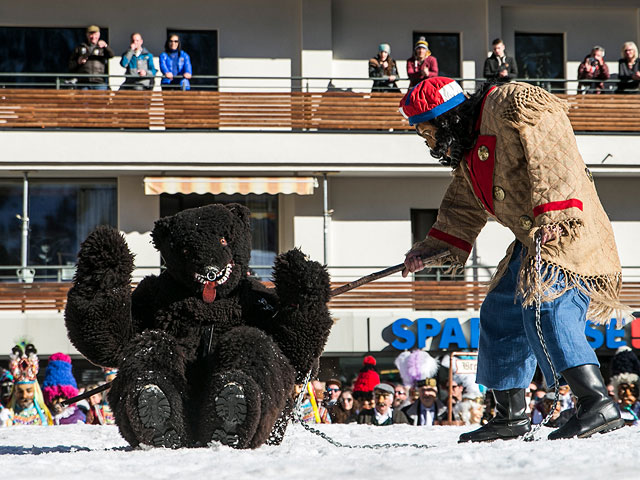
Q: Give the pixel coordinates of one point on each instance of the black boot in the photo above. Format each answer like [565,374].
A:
[510,421]
[595,411]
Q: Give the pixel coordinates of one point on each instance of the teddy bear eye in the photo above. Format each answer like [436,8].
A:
[223,242]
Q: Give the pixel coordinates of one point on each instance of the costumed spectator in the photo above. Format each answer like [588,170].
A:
[382,414]
[628,69]
[175,64]
[419,369]
[422,64]
[515,159]
[593,67]
[26,401]
[559,416]
[401,396]
[363,385]
[498,67]
[384,69]
[311,406]
[91,57]
[139,64]
[469,412]
[343,411]
[625,370]
[566,398]
[334,388]
[58,386]
[6,386]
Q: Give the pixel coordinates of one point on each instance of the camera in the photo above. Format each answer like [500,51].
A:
[592,61]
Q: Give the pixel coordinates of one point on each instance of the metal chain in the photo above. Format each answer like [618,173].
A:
[297,417]
[538,301]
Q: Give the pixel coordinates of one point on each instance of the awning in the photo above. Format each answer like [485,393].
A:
[229,185]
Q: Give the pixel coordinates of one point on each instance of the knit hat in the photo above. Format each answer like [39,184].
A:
[384,47]
[58,380]
[625,361]
[430,98]
[422,43]
[416,367]
[367,378]
[93,29]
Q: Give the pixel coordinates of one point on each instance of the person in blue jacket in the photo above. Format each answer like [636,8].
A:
[175,63]
[139,64]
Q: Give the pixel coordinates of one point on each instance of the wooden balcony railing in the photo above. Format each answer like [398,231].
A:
[298,111]
[421,295]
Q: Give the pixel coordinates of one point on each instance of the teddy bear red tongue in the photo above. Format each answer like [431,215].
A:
[209,292]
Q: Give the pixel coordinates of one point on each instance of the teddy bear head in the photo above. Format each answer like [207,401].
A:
[207,249]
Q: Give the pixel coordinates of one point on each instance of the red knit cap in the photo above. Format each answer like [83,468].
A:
[430,98]
[368,378]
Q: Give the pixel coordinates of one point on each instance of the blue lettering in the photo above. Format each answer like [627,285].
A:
[400,330]
[474,330]
[427,327]
[452,333]
[613,334]
[594,336]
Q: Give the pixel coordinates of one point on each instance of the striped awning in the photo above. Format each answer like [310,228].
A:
[229,185]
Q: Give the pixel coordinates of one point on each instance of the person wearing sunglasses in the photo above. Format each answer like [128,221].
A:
[334,387]
[175,65]
[343,411]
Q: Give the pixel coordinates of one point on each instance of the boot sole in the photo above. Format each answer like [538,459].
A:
[231,409]
[154,412]
[607,427]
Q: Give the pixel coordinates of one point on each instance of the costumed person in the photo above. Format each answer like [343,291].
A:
[419,369]
[60,385]
[515,159]
[364,384]
[27,402]
[6,386]
[625,370]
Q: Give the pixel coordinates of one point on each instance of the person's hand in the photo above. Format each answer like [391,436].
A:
[425,69]
[385,64]
[549,233]
[637,75]
[413,262]
[82,60]
[503,73]
[142,73]
[169,75]
[132,47]
[392,78]
[187,76]
[102,43]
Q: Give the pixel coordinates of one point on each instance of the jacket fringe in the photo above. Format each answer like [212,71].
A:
[604,290]
[528,105]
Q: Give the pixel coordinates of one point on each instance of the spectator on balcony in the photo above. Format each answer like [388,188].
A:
[593,67]
[499,68]
[91,57]
[139,64]
[422,64]
[628,71]
[175,64]
[384,68]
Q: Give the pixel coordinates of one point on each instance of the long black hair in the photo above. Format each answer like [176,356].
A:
[455,132]
[168,49]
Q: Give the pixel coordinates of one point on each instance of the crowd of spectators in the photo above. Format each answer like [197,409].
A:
[92,55]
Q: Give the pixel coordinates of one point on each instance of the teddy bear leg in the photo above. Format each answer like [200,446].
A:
[250,383]
[145,396]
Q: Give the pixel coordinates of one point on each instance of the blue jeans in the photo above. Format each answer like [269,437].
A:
[509,345]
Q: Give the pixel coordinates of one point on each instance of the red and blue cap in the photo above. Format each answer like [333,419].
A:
[430,98]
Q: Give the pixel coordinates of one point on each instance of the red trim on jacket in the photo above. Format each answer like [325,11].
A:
[553,206]
[450,239]
[481,172]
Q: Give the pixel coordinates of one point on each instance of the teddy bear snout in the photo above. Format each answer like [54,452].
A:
[211,273]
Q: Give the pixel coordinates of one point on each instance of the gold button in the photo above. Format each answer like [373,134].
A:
[526,223]
[589,174]
[483,153]
[498,193]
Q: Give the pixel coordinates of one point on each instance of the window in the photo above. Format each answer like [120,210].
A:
[541,55]
[446,48]
[61,216]
[202,47]
[39,50]
[264,222]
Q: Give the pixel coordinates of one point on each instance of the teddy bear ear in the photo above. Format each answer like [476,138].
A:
[241,212]
[161,231]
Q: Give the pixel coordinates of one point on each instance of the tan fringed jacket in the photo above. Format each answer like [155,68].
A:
[525,171]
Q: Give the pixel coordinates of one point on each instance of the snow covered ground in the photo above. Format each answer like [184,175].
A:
[86,452]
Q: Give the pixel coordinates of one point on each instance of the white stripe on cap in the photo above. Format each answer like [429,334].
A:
[403,114]
[450,90]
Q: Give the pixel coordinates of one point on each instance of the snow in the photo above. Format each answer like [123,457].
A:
[87,451]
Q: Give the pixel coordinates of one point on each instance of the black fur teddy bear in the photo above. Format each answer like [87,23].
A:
[205,352]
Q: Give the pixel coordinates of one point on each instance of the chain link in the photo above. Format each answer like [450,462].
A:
[297,417]
[538,301]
